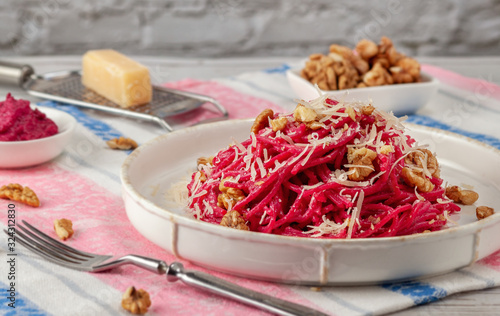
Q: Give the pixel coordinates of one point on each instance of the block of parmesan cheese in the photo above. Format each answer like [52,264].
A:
[116,77]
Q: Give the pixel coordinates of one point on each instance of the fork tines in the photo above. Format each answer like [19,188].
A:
[49,248]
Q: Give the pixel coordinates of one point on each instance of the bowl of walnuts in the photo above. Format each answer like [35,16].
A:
[375,73]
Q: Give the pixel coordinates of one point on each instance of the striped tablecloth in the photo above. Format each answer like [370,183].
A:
[83,184]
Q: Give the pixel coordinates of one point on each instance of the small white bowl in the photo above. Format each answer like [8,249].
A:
[19,154]
[401,99]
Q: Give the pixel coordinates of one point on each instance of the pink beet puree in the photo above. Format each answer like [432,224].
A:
[18,121]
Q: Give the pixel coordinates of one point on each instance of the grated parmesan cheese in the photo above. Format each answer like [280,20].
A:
[309,187]
[341,176]
[421,198]
[308,156]
[326,227]
[253,172]
[448,219]
[208,208]
[198,194]
[441,201]
[359,166]
[239,145]
[355,213]
[294,160]
[254,139]
[263,217]
[261,167]
[197,212]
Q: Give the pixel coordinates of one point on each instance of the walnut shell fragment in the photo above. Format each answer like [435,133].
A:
[136,301]
[229,196]
[205,160]
[122,143]
[233,219]
[279,124]
[416,163]
[484,211]
[303,114]
[262,120]
[465,197]
[363,159]
[16,192]
[63,228]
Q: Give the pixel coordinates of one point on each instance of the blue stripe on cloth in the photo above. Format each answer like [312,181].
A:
[98,127]
[23,306]
[427,121]
[279,70]
[420,293]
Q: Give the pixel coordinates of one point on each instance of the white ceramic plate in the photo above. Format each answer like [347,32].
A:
[150,170]
[399,98]
[33,152]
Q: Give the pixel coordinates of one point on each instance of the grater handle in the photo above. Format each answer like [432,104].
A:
[12,73]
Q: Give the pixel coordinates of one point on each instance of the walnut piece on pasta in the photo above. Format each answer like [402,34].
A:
[421,164]
[262,120]
[363,157]
[233,219]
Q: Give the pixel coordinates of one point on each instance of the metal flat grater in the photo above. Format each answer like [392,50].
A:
[66,87]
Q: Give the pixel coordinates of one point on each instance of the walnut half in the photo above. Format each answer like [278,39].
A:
[304,115]
[228,196]
[122,143]
[279,124]
[262,120]
[465,197]
[414,174]
[483,212]
[136,301]
[205,160]
[63,228]
[366,49]
[377,76]
[16,192]
[416,179]
[364,158]
[233,219]
[308,116]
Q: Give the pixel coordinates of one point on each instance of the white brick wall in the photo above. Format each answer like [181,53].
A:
[212,28]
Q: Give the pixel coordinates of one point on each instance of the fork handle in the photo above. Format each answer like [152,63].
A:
[230,290]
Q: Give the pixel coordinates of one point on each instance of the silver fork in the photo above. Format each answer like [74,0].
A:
[72,258]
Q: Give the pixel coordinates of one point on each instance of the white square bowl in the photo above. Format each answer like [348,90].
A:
[401,99]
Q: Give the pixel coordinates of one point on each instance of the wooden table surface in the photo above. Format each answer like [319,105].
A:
[163,69]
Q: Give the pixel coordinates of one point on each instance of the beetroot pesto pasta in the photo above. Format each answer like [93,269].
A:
[328,170]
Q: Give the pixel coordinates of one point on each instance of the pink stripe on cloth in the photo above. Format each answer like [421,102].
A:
[101,226]
[237,104]
[492,261]
[482,87]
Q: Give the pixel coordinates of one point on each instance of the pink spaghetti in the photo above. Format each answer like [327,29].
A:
[328,170]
